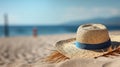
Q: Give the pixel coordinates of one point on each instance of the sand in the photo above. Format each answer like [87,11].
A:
[28,51]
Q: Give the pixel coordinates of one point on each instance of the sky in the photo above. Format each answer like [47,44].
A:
[55,12]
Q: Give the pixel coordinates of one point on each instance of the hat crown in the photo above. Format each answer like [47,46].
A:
[92,34]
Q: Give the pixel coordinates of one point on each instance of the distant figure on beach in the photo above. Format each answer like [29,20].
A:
[35,32]
[6,28]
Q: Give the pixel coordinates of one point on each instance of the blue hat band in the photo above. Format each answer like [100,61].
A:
[93,46]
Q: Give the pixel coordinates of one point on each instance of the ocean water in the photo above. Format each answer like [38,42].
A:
[43,30]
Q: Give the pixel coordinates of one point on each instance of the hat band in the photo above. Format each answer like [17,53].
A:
[93,46]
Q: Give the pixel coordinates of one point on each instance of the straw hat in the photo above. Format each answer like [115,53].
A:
[92,40]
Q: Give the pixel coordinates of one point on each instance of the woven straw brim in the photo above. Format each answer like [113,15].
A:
[68,48]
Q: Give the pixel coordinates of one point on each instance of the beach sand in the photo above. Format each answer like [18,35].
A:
[28,51]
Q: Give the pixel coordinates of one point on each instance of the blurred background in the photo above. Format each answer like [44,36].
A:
[47,17]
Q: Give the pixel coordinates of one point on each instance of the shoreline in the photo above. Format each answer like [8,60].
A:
[113,32]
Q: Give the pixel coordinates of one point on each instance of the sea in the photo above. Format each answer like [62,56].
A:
[44,30]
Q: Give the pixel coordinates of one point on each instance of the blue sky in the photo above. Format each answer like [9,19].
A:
[53,12]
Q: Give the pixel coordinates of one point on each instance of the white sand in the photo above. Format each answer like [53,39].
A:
[29,52]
